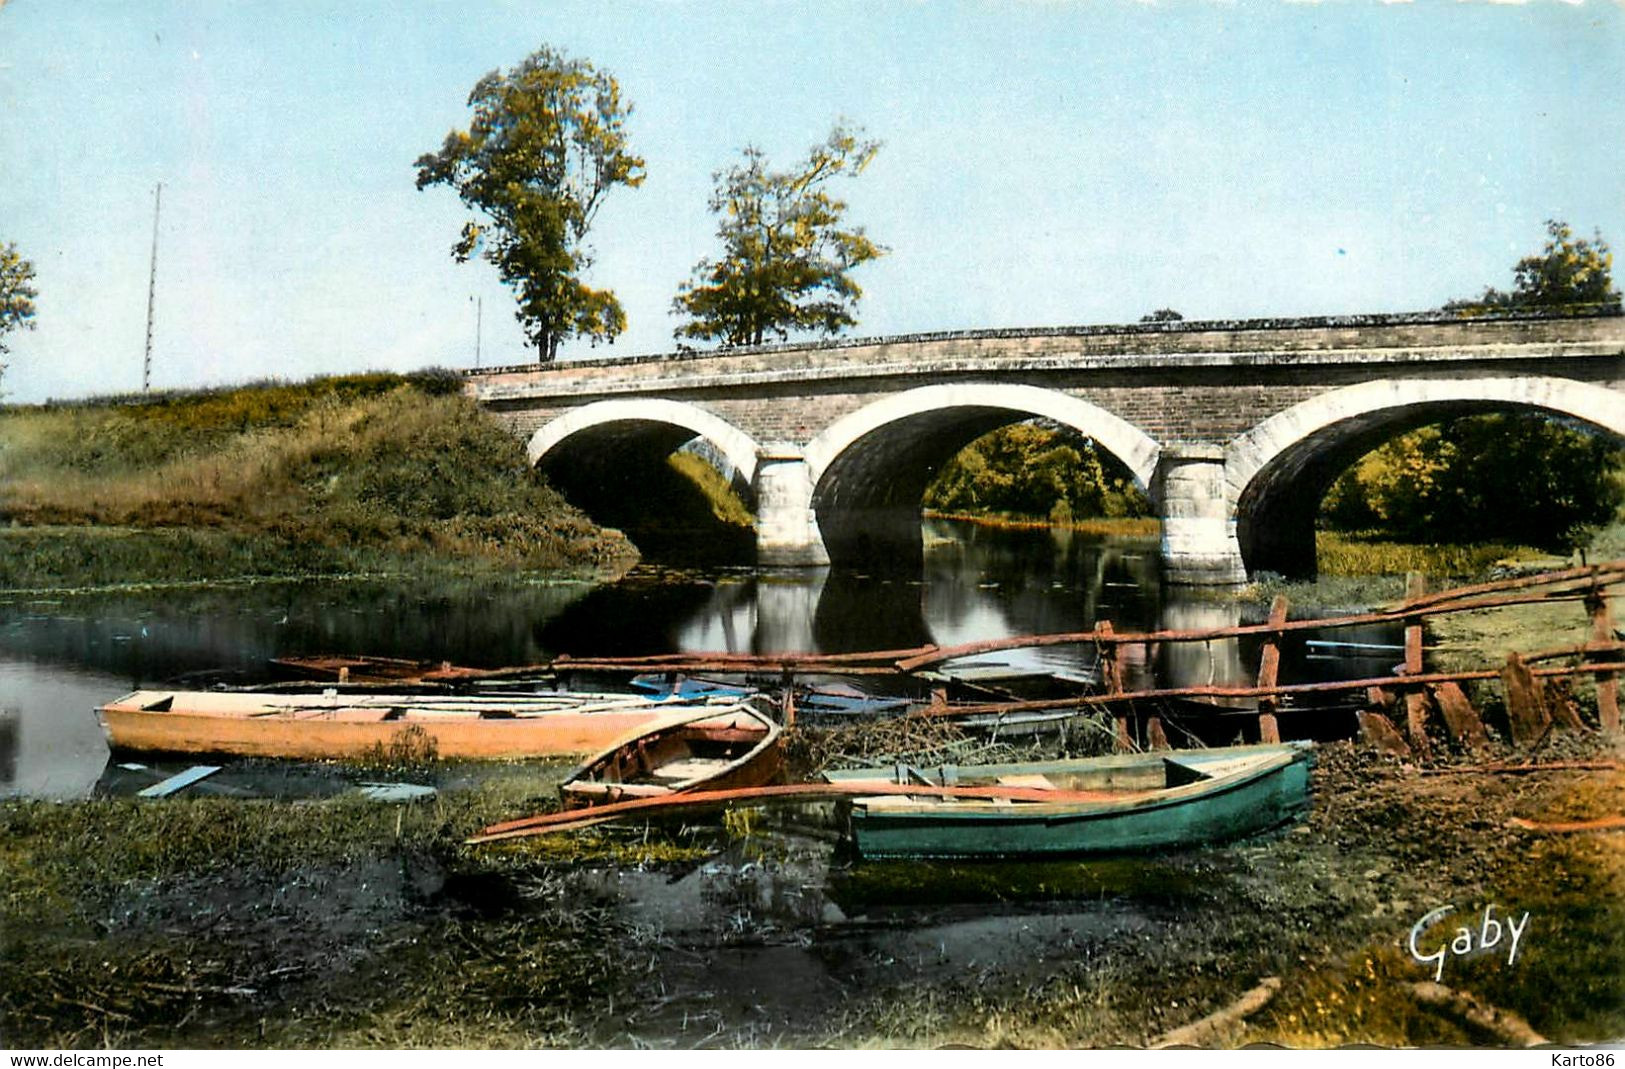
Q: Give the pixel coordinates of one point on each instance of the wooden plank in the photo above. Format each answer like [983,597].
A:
[1416,701]
[1156,738]
[1211,1030]
[1602,633]
[1504,1025]
[787,699]
[1110,668]
[178,782]
[1416,585]
[1460,718]
[1526,705]
[1111,678]
[1378,731]
[1561,827]
[1269,667]
[1561,704]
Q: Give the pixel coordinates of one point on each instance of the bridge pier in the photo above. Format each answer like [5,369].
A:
[787,534]
[1199,545]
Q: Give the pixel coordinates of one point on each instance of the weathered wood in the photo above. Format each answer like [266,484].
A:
[699,801]
[1122,735]
[1602,633]
[178,782]
[1156,738]
[1504,1024]
[1416,585]
[1212,691]
[1461,720]
[1378,731]
[1269,667]
[1416,701]
[1561,703]
[1209,1029]
[1504,769]
[1526,705]
[1568,827]
[1612,571]
[1564,585]
[1110,668]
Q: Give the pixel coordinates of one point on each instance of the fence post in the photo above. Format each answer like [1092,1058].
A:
[1602,630]
[1111,677]
[1269,667]
[1416,699]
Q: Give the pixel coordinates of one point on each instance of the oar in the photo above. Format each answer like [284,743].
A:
[573,819]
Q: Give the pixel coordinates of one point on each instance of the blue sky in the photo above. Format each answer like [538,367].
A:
[1045,163]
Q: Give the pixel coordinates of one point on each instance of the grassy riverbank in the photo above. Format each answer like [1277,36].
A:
[340,923]
[369,474]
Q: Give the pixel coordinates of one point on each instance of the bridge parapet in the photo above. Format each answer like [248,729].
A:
[1159,349]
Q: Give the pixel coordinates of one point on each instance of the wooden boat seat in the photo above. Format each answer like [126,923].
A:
[689,768]
[1035,780]
[617,791]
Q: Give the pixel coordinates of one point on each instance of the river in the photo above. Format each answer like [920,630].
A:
[62,657]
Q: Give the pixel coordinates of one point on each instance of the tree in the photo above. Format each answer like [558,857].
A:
[1034,469]
[1568,275]
[786,259]
[1510,476]
[546,145]
[1163,315]
[16,295]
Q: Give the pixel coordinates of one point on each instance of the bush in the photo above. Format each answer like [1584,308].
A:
[1036,470]
[1505,477]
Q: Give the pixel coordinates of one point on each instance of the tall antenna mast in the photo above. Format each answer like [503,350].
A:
[152,288]
[479,313]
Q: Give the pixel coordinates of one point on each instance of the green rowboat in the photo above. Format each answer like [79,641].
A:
[1124,803]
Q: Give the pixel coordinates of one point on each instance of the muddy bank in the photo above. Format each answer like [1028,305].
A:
[333,922]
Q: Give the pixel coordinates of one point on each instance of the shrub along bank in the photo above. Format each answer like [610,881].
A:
[365,473]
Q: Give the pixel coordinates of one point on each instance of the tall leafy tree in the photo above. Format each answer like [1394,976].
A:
[1569,275]
[787,257]
[546,145]
[17,295]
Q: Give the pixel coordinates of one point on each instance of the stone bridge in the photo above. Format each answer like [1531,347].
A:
[1235,430]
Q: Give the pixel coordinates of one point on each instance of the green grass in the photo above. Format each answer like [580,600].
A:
[357,474]
[1351,554]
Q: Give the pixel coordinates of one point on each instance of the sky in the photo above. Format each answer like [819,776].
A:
[1044,163]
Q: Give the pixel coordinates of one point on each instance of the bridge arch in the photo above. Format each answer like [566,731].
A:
[633,417]
[869,469]
[610,458]
[1276,473]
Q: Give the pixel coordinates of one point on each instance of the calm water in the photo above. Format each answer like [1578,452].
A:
[60,659]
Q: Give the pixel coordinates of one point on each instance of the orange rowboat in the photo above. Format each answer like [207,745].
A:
[347,726]
[699,750]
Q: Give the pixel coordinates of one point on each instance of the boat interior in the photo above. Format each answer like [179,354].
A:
[372,708]
[675,756]
[1142,772]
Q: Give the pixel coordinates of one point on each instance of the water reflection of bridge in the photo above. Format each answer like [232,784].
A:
[971,589]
